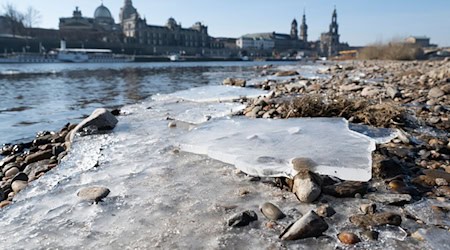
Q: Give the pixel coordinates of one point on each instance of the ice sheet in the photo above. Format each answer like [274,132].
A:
[265,147]
[212,94]
[380,135]
[196,113]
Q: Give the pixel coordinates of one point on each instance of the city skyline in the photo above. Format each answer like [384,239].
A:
[361,22]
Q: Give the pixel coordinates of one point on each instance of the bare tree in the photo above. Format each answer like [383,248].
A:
[14,18]
[32,17]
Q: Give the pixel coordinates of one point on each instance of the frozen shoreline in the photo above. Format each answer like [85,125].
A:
[162,198]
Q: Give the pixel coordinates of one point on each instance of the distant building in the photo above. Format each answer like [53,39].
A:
[329,41]
[304,30]
[260,42]
[136,30]
[421,41]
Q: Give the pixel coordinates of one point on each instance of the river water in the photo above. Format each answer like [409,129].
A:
[37,97]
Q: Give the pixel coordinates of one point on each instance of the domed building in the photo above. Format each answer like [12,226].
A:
[103,17]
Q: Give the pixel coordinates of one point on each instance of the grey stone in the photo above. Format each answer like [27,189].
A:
[100,119]
[310,225]
[95,194]
[325,211]
[242,219]
[435,92]
[271,211]
[370,91]
[307,186]
[389,198]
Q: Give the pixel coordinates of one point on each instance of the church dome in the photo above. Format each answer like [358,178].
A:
[102,12]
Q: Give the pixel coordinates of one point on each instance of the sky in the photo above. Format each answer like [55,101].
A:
[361,22]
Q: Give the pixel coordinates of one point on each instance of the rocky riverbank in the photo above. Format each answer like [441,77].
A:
[405,205]
[410,173]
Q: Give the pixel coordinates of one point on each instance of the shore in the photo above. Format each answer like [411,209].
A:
[404,205]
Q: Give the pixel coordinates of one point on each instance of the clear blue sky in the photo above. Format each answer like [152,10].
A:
[360,21]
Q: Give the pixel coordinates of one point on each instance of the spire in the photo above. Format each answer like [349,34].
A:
[304,29]
[334,25]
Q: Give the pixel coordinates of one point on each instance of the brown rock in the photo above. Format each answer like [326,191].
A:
[435,92]
[310,225]
[346,189]
[300,163]
[443,191]
[348,238]
[325,211]
[11,172]
[18,186]
[39,156]
[4,204]
[378,219]
[95,194]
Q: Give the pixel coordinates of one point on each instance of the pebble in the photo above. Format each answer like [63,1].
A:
[271,211]
[368,208]
[172,124]
[4,204]
[300,163]
[348,238]
[310,225]
[95,194]
[242,219]
[11,172]
[346,189]
[369,235]
[307,186]
[18,186]
[325,211]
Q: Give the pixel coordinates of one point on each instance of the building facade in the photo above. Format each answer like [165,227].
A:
[136,30]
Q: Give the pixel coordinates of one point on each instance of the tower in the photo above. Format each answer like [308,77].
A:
[304,29]
[127,11]
[334,25]
[294,30]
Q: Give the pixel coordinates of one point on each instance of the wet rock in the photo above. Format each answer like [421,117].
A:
[271,211]
[20,177]
[95,194]
[325,211]
[307,186]
[4,204]
[101,119]
[378,219]
[424,181]
[346,189]
[287,73]
[39,156]
[234,82]
[389,199]
[11,172]
[435,92]
[18,186]
[7,160]
[42,140]
[437,174]
[2,195]
[242,219]
[386,218]
[310,225]
[348,238]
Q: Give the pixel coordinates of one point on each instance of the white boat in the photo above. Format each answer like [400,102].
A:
[64,54]
[90,56]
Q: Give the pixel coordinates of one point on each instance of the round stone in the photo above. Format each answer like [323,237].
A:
[11,172]
[95,194]
[348,238]
[18,186]
[271,211]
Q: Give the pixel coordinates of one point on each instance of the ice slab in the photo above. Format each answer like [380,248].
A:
[264,147]
[197,113]
[212,94]
[380,135]
[424,211]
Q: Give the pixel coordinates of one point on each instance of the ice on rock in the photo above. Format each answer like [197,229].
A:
[265,147]
[212,94]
